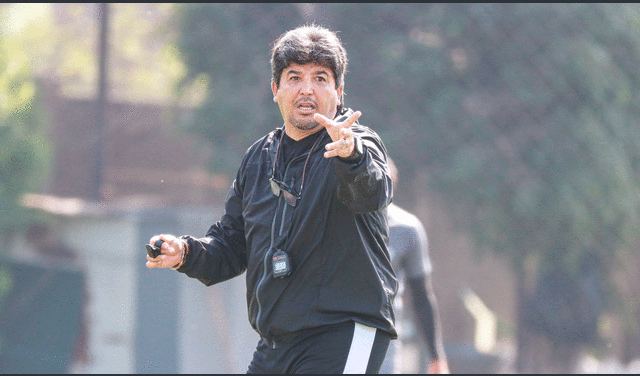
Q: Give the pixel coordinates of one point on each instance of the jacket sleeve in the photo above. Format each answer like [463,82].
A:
[221,254]
[365,185]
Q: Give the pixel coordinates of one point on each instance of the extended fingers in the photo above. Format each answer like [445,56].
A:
[326,122]
[346,133]
[341,148]
[352,119]
[337,145]
[345,139]
[323,120]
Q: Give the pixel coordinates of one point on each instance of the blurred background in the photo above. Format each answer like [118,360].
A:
[514,128]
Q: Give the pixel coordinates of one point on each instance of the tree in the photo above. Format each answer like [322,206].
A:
[225,46]
[523,116]
[24,151]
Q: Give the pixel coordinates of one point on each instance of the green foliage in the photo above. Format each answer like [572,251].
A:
[229,45]
[24,150]
[523,115]
[141,62]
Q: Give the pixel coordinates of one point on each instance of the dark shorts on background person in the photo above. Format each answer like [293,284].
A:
[333,349]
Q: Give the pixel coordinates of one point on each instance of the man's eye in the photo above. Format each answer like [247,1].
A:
[294,78]
[320,78]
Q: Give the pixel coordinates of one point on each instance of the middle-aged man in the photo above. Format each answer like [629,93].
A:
[306,219]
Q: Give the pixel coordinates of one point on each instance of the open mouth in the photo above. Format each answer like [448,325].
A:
[306,106]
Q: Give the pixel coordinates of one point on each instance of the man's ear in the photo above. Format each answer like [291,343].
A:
[340,93]
[274,89]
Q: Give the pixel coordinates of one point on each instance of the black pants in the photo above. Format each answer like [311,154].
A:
[343,348]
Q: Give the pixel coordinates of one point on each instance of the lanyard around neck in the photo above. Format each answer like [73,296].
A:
[304,169]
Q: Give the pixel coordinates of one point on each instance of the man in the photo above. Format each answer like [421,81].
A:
[408,248]
[306,219]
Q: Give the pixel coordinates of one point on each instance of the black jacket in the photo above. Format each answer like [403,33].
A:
[335,237]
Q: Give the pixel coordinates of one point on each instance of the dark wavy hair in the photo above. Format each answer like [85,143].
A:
[309,44]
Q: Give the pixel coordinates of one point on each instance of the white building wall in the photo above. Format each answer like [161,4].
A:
[107,250]
[215,335]
[213,331]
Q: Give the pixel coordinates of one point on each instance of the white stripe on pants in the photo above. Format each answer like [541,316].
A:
[360,350]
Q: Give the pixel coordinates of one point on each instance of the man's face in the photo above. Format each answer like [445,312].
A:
[305,90]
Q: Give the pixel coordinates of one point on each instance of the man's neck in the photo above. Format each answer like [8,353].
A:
[298,134]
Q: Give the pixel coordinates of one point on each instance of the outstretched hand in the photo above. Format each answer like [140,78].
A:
[341,134]
[171,252]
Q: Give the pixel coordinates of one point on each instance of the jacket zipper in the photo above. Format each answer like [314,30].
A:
[267,256]
[265,262]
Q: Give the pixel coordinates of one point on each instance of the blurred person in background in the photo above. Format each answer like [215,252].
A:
[409,251]
[305,218]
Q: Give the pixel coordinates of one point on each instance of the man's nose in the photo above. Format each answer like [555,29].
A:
[307,87]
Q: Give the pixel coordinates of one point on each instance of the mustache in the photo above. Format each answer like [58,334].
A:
[307,100]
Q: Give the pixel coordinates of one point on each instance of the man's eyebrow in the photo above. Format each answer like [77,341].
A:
[319,71]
